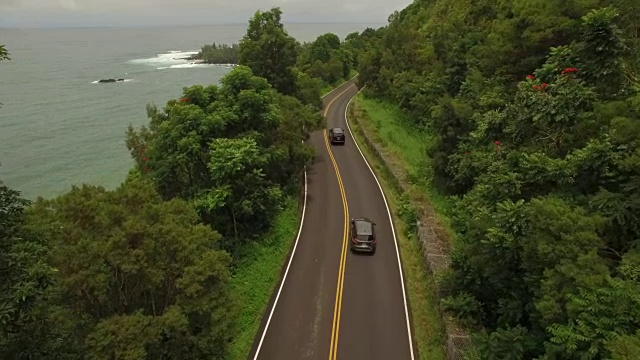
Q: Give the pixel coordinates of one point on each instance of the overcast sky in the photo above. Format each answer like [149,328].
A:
[27,13]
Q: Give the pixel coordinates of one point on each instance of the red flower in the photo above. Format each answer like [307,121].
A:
[569,70]
[531,77]
[544,85]
[144,158]
[497,142]
[184,100]
[536,87]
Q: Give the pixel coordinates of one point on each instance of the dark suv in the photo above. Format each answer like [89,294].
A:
[363,235]
[336,136]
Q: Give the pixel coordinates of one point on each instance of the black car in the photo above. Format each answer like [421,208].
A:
[336,136]
[363,235]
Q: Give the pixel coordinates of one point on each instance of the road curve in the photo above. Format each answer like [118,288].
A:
[374,323]
[322,312]
[301,323]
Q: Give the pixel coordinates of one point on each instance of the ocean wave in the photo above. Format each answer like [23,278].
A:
[172,57]
[195,65]
[98,81]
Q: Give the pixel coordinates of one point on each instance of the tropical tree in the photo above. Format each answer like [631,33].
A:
[193,148]
[269,51]
[530,110]
[136,277]
[26,277]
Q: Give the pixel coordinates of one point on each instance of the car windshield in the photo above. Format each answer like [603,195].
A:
[364,231]
[337,131]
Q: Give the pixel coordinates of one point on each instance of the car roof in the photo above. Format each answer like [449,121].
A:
[364,226]
[337,129]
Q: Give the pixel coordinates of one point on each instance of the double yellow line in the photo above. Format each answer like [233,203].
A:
[333,351]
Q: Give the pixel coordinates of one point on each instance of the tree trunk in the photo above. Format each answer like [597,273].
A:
[235,225]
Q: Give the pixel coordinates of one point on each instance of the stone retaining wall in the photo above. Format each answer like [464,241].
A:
[435,247]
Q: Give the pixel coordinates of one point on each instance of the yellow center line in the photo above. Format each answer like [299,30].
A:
[337,306]
[333,351]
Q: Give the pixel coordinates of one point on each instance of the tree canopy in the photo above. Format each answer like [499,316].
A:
[532,111]
[4,54]
[232,150]
[121,274]
[24,271]
[143,271]
[218,54]
[270,51]
[293,69]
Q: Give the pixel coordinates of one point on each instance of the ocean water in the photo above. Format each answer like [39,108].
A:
[59,128]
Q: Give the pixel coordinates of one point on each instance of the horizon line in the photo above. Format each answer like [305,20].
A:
[177,25]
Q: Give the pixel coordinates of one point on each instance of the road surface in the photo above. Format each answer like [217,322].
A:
[322,311]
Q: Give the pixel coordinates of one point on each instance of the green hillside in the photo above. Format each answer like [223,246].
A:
[530,116]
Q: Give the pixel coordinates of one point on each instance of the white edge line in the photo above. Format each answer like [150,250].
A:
[293,252]
[338,87]
[284,278]
[393,230]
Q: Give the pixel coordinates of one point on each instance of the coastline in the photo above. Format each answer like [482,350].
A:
[194,61]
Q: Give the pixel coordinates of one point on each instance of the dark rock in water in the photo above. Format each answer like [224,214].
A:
[110,80]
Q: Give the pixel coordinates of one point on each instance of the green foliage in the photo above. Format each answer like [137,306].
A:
[309,89]
[232,150]
[326,59]
[140,272]
[257,275]
[269,51]
[218,54]
[122,274]
[601,51]
[409,215]
[293,69]
[505,343]
[26,276]
[320,49]
[530,110]
[242,199]
[4,54]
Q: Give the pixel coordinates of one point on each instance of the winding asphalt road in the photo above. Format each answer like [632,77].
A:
[321,311]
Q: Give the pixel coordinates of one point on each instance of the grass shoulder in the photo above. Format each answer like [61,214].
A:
[407,146]
[258,273]
[427,325]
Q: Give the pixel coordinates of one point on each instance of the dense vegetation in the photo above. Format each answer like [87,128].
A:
[297,69]
[155,268]
[218,54]
[533,110]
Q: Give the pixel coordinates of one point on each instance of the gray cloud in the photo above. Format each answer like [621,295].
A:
[309,9]
[186,12]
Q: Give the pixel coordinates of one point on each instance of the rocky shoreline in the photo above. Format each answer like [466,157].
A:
[194,60]
[201,61]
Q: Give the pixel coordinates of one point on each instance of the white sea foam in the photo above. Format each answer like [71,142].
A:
[125,80]
[195,65]
[173,57]
[176,59]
